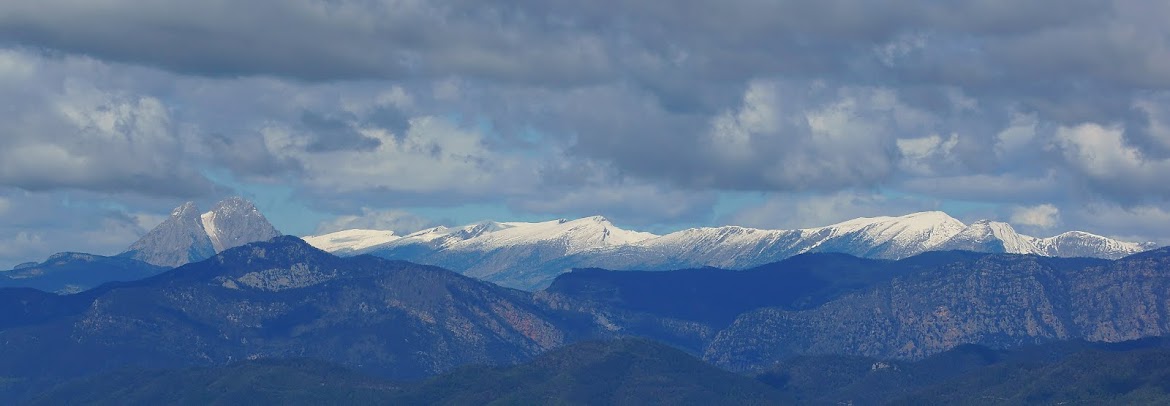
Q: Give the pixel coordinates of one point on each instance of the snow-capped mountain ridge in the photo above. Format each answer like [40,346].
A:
[351,240]
[530,255]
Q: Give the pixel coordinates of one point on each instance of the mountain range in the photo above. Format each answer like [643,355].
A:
[286,299]
[279,299]
[530,255]
[859,290]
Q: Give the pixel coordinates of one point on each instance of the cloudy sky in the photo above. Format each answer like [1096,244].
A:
[398,114]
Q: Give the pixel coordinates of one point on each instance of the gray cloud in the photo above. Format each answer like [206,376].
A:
[334,134]
[65,133]
[35,225]
[644,111]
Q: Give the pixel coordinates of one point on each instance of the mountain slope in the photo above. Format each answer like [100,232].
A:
[234,222]
[1082,244]
[1063,372]
[630,371]
[286,299]
[180,239]
[996,300]
[259,382]
[502,252]
[907,309]
[350,241]
[71,272]
[621,372]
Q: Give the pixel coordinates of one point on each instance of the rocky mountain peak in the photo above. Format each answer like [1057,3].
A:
[190,236]
[234,222]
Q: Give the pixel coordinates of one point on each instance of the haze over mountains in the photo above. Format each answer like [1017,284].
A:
[530,255]
[188,235]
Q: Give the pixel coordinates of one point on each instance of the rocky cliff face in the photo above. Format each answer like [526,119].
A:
[234,222]
[190,236]
[1000,301]
[180,239]
[907,309]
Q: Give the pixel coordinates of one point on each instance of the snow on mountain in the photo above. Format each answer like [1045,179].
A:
[991,236]
[885,237]
[234,222]
[444,237]
[190,236]
[573,236]
[531,255]
[348,241]
[1082,244]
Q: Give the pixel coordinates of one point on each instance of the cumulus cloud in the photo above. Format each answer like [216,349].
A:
[1110,164]
[796,137]
[1014,141]
[1041,216]
[920,155]
[434,156]
[399,221]
[64,133]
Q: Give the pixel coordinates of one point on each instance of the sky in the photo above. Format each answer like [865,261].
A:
[1052,115]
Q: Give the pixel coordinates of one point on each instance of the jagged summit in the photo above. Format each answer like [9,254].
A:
[189,236]
[234,222]
[178,240]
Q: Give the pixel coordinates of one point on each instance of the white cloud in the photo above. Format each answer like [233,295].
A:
[1017,137]
[65,128]
[733,133]
[399,221]
[1042,216]
[921,155]
[434,156]
[1103,155]
[1098,151]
